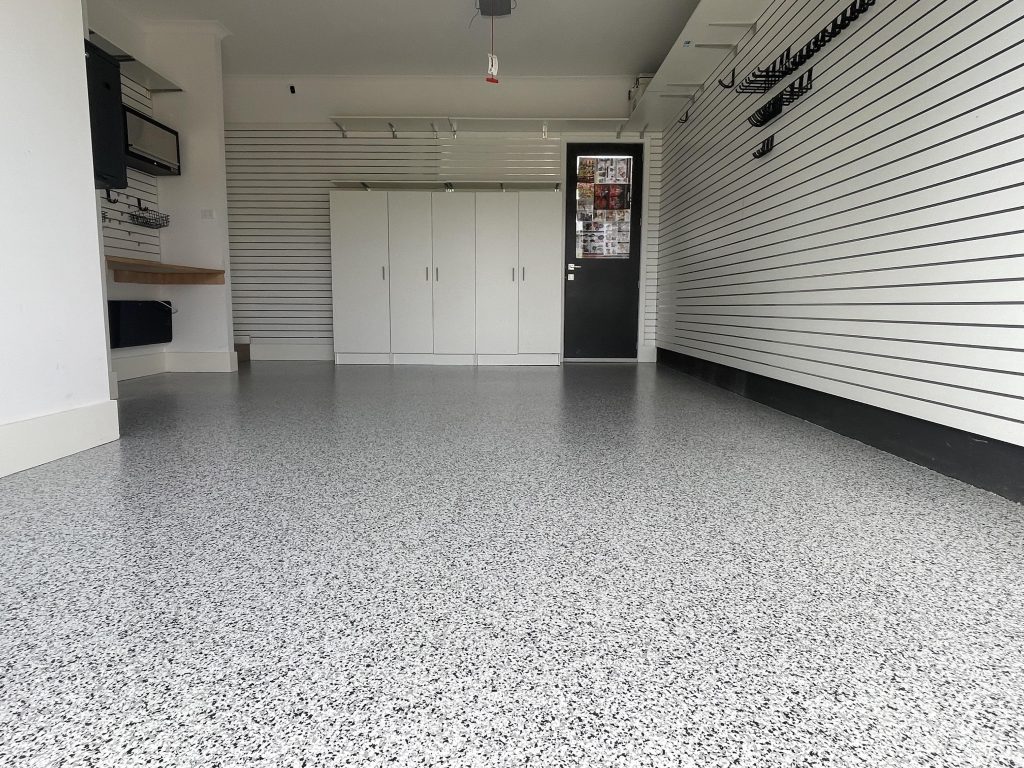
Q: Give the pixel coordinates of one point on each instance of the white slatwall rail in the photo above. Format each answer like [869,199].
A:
[279,177]
[649,295]
[120,236]
[877,253]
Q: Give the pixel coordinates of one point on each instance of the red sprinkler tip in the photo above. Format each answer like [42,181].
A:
[491,79]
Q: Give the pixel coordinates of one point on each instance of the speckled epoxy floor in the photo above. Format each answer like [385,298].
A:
[594,566]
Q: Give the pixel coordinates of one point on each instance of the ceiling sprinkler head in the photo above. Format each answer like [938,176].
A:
[492,69]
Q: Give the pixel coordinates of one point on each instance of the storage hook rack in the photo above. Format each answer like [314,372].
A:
[766,147]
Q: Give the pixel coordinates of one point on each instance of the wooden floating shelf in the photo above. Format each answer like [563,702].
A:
[157,273]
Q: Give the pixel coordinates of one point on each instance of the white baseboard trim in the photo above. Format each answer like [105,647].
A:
[29,443]
[525,359]
[405,358]
[136,366]
[202,362]
[261,350]
[362,358]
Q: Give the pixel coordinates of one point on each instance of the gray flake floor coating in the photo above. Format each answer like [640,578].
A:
[589,566]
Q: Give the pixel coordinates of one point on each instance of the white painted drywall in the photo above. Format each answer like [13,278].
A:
[53,350]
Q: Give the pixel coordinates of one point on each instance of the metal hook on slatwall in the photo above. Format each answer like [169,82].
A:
[732,80]
[766,146]
[685,118]
[111,196]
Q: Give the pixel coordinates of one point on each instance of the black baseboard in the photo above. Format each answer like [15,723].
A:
[981,461]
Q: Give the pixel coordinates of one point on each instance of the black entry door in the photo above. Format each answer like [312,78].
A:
[604,197]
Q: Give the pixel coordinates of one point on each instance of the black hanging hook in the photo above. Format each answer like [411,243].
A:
[732,80]
[766,147]
[111,196]
[685,118]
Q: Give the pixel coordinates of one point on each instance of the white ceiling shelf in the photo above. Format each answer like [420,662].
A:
[716,29]
[133,68]
[449,186]
[450,126]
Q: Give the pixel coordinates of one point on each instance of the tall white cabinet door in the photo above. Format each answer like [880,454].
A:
[454,218]
[359,272]
[497,273]
[540,272]
[409,243]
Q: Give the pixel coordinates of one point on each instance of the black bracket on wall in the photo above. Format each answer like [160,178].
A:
[772,108]
[766,147]
[732,80]
[763,80]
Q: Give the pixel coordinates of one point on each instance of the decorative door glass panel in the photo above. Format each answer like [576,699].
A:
[603,199]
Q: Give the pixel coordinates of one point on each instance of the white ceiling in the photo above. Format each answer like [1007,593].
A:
[433,37]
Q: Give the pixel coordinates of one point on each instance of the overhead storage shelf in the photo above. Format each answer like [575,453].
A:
[158,273]
[450,186]
[450,126]
[714,31]
[133,68]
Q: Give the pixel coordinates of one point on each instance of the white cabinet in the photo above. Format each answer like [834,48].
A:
[359,274]
[409,246]
[497,267]
[447,277]
[454,246]
[540,272]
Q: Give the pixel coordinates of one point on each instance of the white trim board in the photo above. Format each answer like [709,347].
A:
[29,443]
[261,350]
[202,362]
[138,365]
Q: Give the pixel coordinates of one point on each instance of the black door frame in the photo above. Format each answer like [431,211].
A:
[628,270]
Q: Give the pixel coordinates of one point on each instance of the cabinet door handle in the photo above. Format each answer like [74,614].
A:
[437,274]
[513,274]
[524,273]
[382,277]
[426,276]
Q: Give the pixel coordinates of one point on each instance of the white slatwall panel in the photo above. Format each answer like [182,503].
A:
[652,222]
[877,253]
[279,177]
[120,236]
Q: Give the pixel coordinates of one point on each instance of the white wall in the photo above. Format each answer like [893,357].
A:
[189,54]
[261,99]
[875,253]
[54,396]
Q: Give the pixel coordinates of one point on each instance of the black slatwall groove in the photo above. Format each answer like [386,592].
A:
[877,252]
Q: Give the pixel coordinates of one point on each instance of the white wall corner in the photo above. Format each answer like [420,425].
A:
[647,354]
[29,443]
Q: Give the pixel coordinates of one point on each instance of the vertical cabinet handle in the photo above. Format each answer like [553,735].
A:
[513,274]
[427,275]
[524,273]
[382,277]
[437,274]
